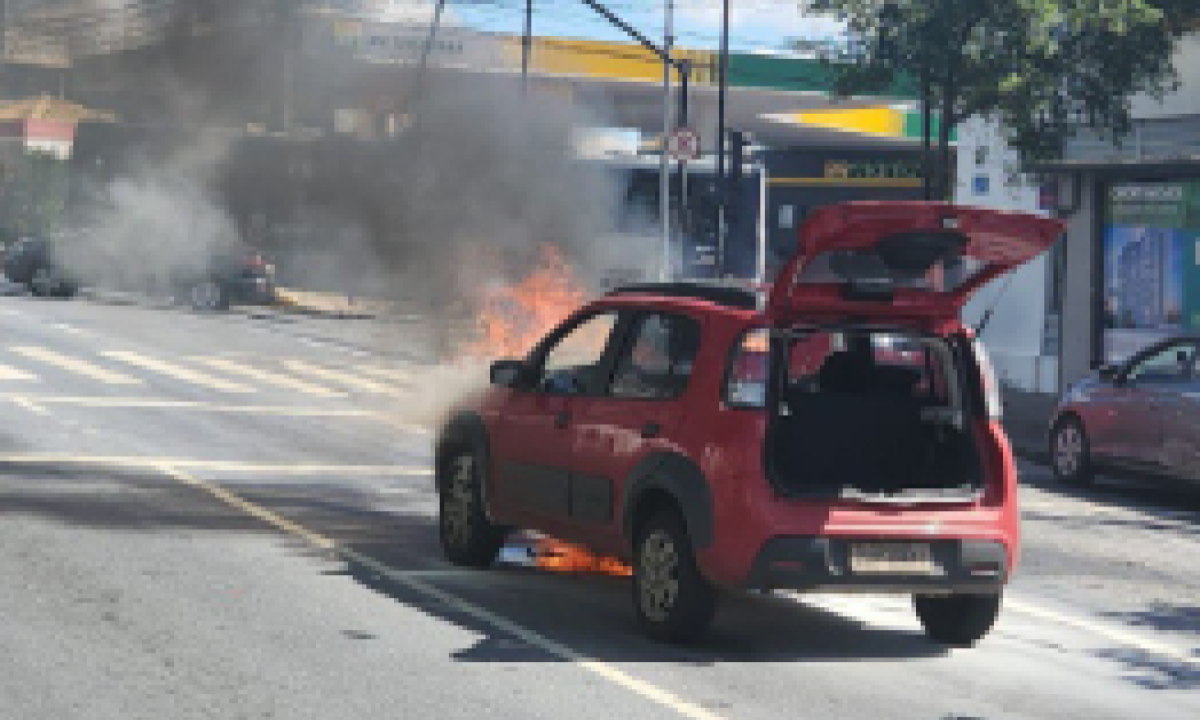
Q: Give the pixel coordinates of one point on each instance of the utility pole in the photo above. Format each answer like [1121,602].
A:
[664,186]
[526,43]
[684,67]
[722,90]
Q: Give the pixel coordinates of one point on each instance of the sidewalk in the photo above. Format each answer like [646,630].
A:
[1026,416]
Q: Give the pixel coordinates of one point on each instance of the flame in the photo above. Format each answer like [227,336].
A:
[514,317]
[559,556]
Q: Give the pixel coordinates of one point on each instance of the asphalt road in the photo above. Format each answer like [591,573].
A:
[232,517]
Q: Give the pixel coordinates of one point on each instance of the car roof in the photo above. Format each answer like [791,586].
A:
[722,296]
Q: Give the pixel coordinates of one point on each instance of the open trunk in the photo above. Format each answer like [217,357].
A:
[875,415]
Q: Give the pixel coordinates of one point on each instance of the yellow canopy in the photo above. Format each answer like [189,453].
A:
[48,107]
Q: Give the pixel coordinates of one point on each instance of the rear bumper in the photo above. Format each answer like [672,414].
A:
[818,563]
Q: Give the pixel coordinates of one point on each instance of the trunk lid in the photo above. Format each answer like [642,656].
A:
[904,261]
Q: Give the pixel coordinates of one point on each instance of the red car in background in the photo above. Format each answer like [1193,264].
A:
[843,435]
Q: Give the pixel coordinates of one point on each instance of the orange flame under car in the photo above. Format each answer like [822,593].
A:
[559,556]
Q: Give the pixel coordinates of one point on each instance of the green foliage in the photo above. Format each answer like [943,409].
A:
[35,198]
[1044,67]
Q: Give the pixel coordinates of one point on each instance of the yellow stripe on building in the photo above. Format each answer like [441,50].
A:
[598,59]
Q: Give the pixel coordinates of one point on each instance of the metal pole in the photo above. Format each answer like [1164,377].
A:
[664,185]
[684,67]
[526,42]
[722,90]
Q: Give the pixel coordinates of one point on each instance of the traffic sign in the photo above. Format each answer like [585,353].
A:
[683,144]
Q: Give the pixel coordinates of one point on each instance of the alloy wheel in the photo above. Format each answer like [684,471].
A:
[458,503]
[1068,450]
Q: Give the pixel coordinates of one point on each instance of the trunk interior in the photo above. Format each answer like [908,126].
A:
[870,414]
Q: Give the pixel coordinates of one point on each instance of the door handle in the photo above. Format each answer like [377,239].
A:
[651,430]
[562,419]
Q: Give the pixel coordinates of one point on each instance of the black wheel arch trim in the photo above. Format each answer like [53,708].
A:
[680,478]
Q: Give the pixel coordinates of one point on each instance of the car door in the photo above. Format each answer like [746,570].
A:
[1148,408]
[532,438]
[641,411]
[1166,381]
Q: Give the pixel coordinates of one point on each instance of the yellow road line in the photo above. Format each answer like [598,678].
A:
[344,378]
[609,672]
[150,463]
[179,373]
[80,367]
[12,373]
[270,378]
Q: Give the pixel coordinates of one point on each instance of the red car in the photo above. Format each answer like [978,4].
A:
[840,434]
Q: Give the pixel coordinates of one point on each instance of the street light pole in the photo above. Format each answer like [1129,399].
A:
[722,90]
[664,185]
[526,42]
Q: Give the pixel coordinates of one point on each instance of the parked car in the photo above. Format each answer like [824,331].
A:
[1141,416]
[237,275]
[843,436]
[31,262]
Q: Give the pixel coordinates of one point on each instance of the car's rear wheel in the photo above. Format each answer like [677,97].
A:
[674,602]
[957,620]
[42,283]
[208,295]
[1070,454]
[468,537]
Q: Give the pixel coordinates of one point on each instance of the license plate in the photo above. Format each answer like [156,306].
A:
[892,559]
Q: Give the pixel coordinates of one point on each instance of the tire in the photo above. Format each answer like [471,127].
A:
[208,296]
[1070,453]
[468,538]
[957,620]
[41,284]
[673,600]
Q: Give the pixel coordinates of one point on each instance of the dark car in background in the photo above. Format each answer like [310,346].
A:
[31,262]
[240,275]
[1141,416]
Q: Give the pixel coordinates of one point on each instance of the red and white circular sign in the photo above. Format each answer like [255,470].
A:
[683,144]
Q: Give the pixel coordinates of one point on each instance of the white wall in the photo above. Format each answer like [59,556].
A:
[1014,333]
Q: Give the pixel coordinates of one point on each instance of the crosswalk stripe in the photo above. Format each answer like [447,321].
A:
[386,373]
[270,378]
[177,372]
[354,381]
[75,365]
[12,373]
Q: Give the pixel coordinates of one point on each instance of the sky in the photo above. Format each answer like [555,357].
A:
[755,25]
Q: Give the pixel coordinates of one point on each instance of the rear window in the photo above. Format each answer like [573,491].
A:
[896,365]
[868,268]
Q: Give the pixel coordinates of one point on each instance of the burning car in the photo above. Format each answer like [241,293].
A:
[840,434]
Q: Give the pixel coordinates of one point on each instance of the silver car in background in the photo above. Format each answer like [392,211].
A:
[1140,417]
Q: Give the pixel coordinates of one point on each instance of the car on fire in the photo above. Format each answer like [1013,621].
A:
[840,433]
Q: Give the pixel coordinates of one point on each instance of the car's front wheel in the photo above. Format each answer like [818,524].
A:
[208,295]
[957,620]
[674,602]
[468,537]
[1070,454]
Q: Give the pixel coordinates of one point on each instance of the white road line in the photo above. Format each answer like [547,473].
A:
[12,373]
[179,373]
[609,672]
[270,378]
[135,403]
[30,405]
[70,364]
[343,378]
[386,373]
[151,463]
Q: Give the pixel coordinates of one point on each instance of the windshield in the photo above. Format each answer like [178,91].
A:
[867,267]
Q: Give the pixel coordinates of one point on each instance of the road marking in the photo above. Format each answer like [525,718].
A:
[270,378]
[30,405]
[199,405]
[74,365]
[392,374]
[1116,634]
[71,329]
[611,673]
[151,463]
[179,373]
[355,381]
[12,373]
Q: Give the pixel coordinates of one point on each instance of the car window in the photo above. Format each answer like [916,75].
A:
[746,379]
[1172,364]
[571,363]
[657,360]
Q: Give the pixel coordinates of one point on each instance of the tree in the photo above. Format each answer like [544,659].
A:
[1045,68]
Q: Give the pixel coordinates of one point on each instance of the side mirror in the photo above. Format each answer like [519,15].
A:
[506,373]
[1109,373]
